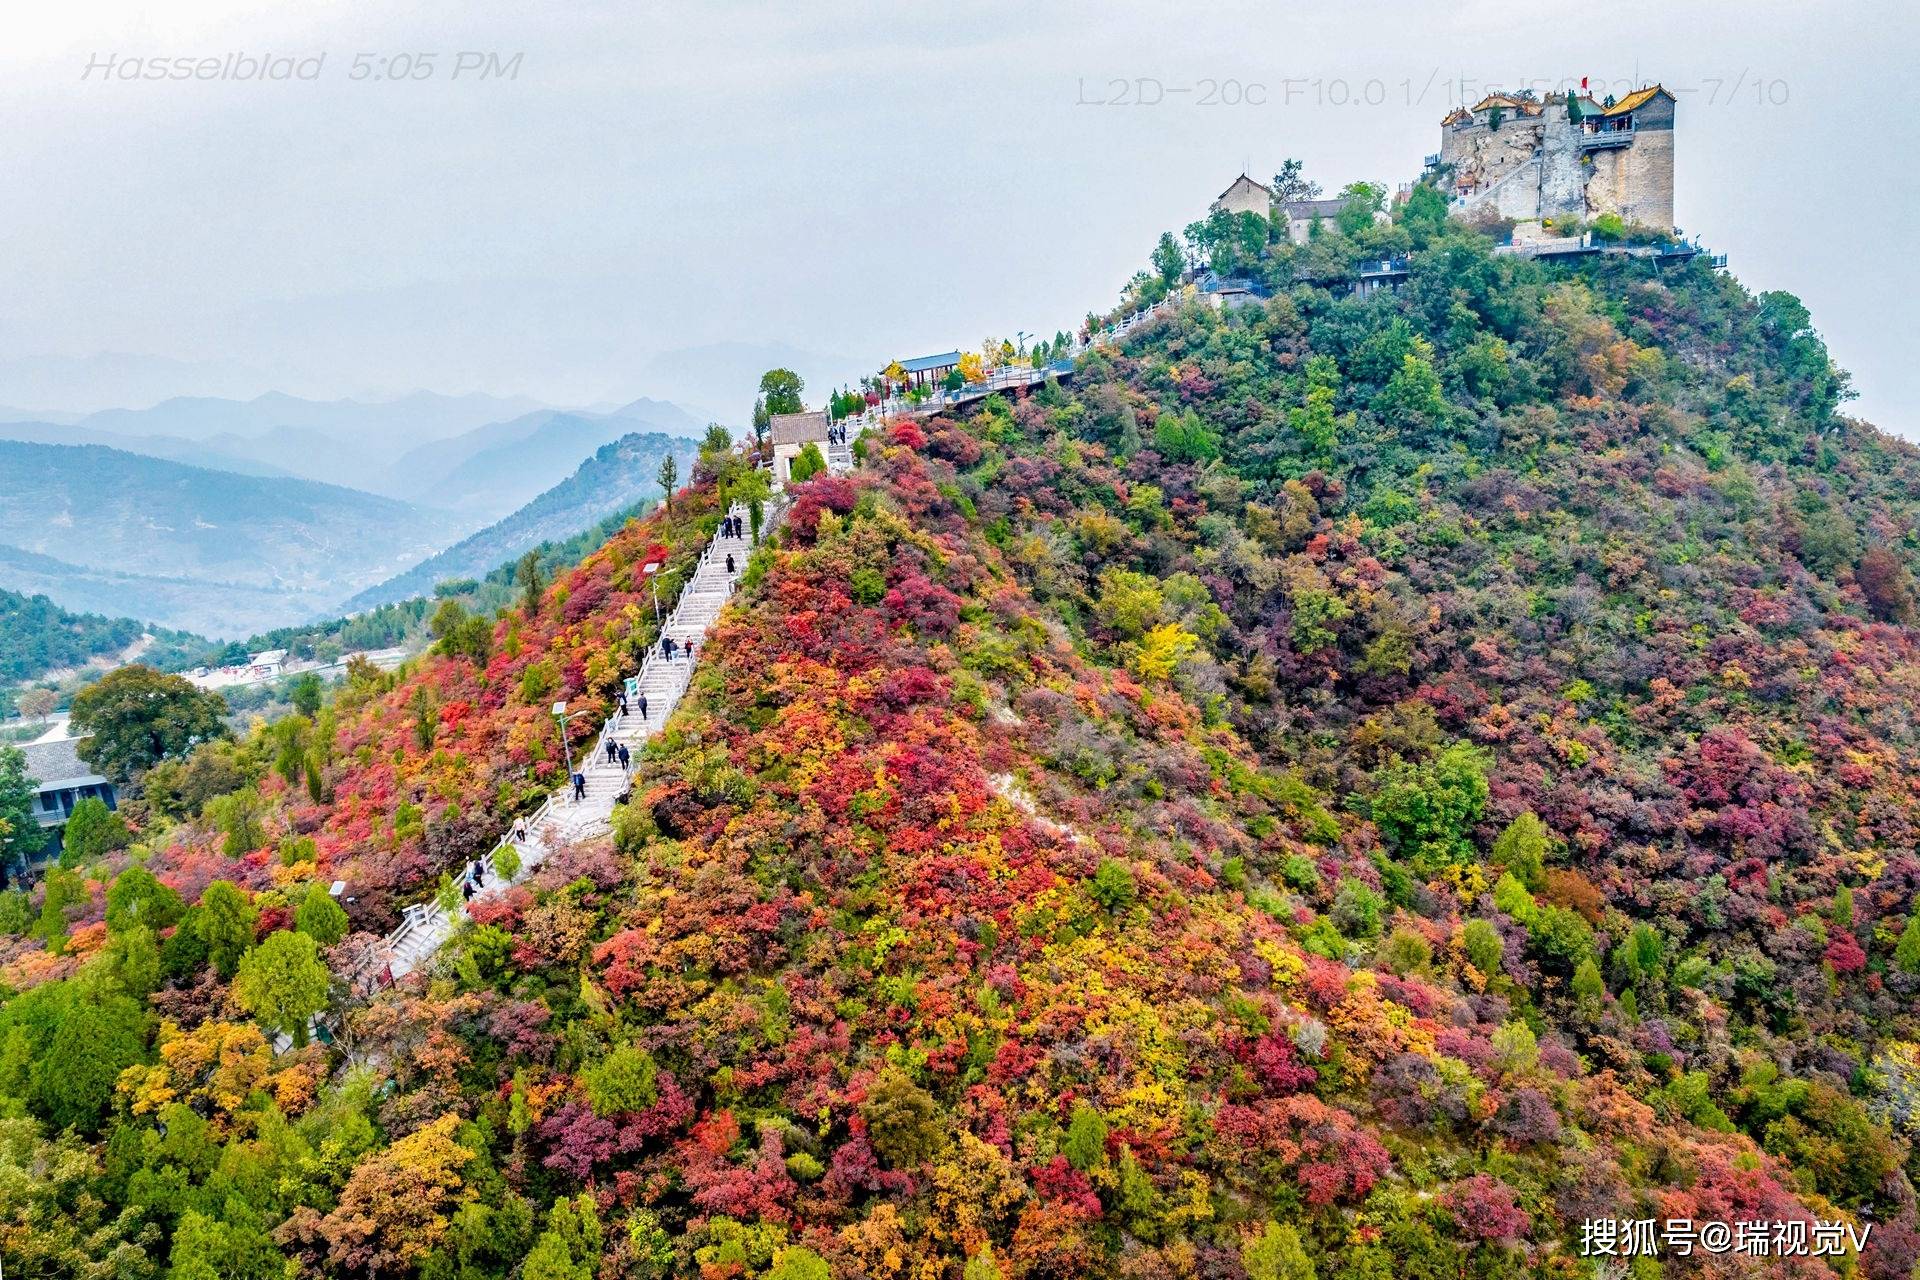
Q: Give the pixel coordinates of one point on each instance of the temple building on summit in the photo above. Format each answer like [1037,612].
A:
[1246,195]
[1560,157]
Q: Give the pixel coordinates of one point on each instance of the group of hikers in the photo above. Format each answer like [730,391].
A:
[732,527]
[836,435]
[671,648]
[617,753]
[473,878]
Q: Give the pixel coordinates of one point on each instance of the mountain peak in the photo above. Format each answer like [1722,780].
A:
[1366,772]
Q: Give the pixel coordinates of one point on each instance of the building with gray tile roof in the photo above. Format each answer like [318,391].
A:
[61,779]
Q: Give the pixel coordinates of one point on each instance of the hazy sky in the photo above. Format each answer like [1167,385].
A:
[851,182]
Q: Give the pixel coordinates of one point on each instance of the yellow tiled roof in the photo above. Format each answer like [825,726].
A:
[1638,98]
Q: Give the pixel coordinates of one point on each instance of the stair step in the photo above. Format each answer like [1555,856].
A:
[702,600]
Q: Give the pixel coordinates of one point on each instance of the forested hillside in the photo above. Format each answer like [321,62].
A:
[38,636]
[616,476]
[167,537]
[1346,787]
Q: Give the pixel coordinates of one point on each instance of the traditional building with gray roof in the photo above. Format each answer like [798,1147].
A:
[61,779]
[793,432]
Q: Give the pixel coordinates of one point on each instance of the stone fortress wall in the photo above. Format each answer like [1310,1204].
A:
[1531,160]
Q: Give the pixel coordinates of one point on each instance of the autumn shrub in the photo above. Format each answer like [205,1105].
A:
[902,1120]
[1429,809]
[1112,885]
[1358,911]
[622,1081]
[1405,951]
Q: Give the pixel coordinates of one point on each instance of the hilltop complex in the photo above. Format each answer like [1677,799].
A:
[1385,754]
[1564,156]
[1524,159]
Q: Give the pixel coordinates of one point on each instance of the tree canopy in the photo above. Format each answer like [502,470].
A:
[134,717]
[780,391]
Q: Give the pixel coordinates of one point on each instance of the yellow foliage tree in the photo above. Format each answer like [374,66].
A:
[394,1209]
[975,1190]
[1161,651]
[213,1067]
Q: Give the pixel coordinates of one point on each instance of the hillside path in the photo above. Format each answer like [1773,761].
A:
[562,820]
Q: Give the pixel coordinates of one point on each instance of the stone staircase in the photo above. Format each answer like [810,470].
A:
[563,820]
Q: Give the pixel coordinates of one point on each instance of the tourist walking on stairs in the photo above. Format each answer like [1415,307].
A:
[626,759]
[579,786]
[643,708]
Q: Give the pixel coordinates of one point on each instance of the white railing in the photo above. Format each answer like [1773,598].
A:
[431,915]
[1006,376]
[1604,137]
[1121,328]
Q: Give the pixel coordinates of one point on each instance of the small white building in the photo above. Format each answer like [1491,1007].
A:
[793,432]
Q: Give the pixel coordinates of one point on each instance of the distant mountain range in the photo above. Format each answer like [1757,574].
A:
[417,416]
[478,456]
[13,413]
[196,453]
[344,442]
[493,470]
[229,517]
[109,512]
[83,384]
[619,475]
